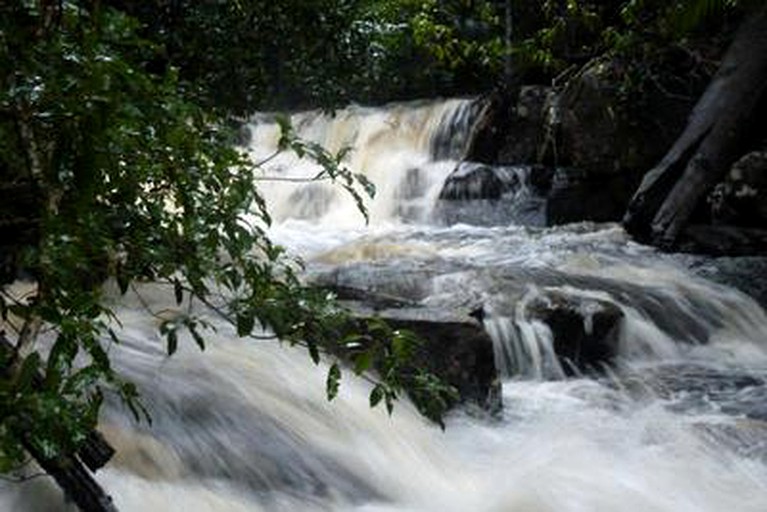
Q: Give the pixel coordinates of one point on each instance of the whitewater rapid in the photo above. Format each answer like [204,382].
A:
[676,425]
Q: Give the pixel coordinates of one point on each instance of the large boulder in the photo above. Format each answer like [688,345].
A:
[510,129]
[745,273]
[578,195]
[530,195]
[455,346]
[585,331]
[601,132]
[477,181]
[741,199]
[482,194]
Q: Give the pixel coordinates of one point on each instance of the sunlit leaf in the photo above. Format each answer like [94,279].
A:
[333,380]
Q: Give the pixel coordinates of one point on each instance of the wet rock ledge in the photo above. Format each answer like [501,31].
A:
[455,345]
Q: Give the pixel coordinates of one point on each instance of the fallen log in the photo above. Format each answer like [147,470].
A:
[75,480]
[710,143]
[69,470]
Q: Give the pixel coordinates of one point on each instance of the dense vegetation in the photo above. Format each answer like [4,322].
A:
[130,179]
[118,150]
[255,54]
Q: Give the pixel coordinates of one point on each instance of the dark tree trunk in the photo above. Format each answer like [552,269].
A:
[78,484]
[69,470]
[715,133]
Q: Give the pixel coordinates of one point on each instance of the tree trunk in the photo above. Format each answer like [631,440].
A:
[74,479]
[715,133]
[508,70]
[77,483]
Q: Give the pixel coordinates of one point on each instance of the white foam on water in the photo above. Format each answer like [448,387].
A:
[245,425]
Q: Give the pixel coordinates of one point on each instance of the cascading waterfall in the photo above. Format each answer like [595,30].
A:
[677,424]
[407,151]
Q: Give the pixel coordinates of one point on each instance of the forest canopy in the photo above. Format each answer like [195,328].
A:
[119,161]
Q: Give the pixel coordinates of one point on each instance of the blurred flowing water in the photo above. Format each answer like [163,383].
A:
[678,424]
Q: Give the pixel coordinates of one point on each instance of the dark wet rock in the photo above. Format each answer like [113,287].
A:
[600,135]
[586,125]
[585,331]
[455,346]
[531,195]
[741,199]
[408,281]
[482,194]
[477,181]
[720,240]
[473,180]
[577,195]
[526,211]
[698,388]
[510,130]
[747,274]
[372,301]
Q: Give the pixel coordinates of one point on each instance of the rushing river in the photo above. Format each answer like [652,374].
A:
[676,425]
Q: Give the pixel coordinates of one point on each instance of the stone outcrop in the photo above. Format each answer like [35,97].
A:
[597,133]
[585,331]
[578,195]
[510,130]
[736,209]
[455,346]
[741,199]
[587,142]
[745,273]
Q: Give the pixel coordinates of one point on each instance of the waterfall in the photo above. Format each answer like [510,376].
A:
[406,150]
[676,423]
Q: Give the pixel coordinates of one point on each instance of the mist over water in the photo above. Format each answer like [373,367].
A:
[677,425]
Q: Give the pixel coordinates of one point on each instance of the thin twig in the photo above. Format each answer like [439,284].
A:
[292,180]
[268,158]
[22,479]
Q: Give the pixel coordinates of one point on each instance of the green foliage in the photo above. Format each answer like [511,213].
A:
[136,182]
[255,54]
[429,47]
[639,31]
[391,352]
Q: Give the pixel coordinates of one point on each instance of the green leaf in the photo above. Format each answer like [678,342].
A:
[314,351]
[403,344]
[333,380]
[83,380]
[28,372]
[123,282]
[172,342]
[113,336]
[390,397]
[178,291]
[376,395]
[364,361]
[370,188]
[197,337]
[60,360]
[245,323]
